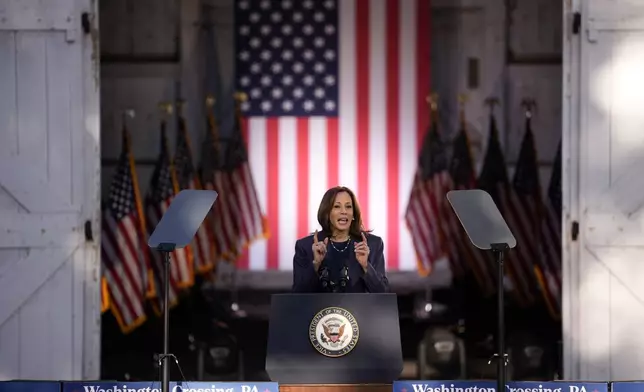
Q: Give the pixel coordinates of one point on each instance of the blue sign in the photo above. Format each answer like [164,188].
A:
[29,386]
[490,386]
[155,386]
[628,386]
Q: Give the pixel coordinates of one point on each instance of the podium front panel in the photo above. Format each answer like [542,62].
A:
[334,339]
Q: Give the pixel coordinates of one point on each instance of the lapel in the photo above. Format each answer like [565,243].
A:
[354,266]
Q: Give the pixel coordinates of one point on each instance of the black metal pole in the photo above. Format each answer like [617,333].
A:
[165,387]
[500,339]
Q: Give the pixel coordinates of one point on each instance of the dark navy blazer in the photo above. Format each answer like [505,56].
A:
[306,280]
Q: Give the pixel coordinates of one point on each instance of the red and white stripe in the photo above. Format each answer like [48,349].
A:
[237,217]
[222,217]
[181,267]
[428,222]
[125,269]
[522,217]
[371,147]
[203,245]
[551,241]
[464,256]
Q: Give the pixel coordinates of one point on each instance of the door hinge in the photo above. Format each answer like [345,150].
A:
[89,235]
[86,24]
[574,230]
[576,23]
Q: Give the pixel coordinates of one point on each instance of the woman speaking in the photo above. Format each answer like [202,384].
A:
[342,257]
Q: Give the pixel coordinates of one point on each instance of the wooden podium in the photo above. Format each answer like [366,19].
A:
[337,388]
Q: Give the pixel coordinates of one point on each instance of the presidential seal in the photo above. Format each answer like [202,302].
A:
[334,332]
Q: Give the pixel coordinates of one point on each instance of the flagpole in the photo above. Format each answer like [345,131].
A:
[166,109]
[498,250]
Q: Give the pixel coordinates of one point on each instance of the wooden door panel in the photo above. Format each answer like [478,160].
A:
[41,332]
[608,274]
[48,155]
[39,118]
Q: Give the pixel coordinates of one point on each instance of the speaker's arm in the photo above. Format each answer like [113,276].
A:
[375,277]
[305,279]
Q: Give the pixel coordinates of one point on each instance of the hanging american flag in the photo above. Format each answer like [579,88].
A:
[203,246]
[325,111]
[163,187]
[426,214]
[551,235]
[123,248]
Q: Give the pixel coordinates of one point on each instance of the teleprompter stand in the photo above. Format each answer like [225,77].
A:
[487,230]
[176,229]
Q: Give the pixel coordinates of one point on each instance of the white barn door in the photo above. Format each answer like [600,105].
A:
[49,190]
[604,191]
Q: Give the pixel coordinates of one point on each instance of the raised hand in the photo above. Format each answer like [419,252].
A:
[319,250]
[362,252]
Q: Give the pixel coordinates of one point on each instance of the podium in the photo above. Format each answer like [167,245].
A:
[334,342]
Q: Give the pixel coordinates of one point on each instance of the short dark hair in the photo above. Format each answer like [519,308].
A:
[324,211]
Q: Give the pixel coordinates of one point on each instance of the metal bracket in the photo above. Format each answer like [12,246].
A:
[591,30]
[71,33]
[594,26]
[576,22]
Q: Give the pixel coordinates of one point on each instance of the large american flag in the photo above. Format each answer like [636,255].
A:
[336,97]
[123,247]
[162,189]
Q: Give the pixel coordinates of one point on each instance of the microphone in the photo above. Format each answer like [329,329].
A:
[344,278]
[324,278]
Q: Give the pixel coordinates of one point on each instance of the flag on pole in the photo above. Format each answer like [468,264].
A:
[464,177]
[251,217]
[238,220]
[105,296]
[123,248]
[494,180]
[551,236]
[203,246]
[523,215]
[163,187]
[337,94]
[223,214]
[426,214]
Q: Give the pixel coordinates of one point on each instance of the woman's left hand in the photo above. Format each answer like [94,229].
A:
[362,252]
